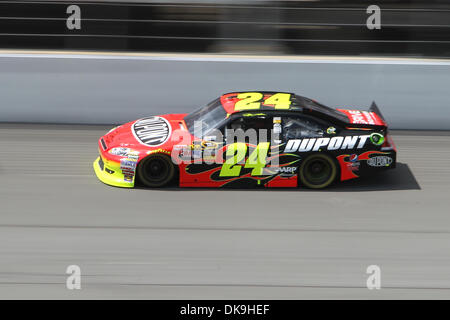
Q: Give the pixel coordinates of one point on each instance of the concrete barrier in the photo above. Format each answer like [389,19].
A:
[62,87]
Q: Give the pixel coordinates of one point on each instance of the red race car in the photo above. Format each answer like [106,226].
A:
[248,139]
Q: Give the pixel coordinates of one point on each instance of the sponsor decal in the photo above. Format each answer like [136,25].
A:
[350,163]
[123,152]
[354,163]
[128,163]
[331,130]
[210,145]
[152,131]
[353,158]
[361,117]
[276,130]
[335,143]
[380,161]
[128,167]
[159,151]
[286,171]
[133,155]
[377,139]
[128,178]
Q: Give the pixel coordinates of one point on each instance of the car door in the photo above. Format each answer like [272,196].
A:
[233,154]
[247,141]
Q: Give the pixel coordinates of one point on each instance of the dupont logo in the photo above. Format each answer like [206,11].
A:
[379,161]
[152,131]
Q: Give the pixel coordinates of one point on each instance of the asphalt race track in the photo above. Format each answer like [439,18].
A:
[208,244]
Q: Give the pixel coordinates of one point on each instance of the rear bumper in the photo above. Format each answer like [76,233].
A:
[385,160]
[366,163]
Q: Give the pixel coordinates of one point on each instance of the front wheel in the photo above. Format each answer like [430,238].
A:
[318,171]
[156,171]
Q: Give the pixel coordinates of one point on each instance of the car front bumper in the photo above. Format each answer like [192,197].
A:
[110,172]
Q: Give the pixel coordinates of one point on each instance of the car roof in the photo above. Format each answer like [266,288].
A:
[229,100]
[248,101]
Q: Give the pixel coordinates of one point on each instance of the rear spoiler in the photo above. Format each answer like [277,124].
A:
[374,108]
[377,123]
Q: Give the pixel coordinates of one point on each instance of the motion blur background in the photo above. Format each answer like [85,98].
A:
[127,58]
[135,59]
[410,28]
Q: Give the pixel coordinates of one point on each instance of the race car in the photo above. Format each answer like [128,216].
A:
[248,139]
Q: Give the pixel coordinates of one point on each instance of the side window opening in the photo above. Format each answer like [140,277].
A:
[251,122]
[301,127]
[251,126]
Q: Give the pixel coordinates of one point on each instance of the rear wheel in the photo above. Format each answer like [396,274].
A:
[318,171]
[156,171]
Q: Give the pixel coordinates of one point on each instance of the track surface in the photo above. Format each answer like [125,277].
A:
[217,243]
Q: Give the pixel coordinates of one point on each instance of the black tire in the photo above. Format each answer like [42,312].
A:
[318,171]
[156,171]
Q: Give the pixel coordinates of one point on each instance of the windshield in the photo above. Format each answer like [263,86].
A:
[206,118]
[316,106]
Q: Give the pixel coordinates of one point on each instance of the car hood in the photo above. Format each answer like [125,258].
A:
[147,133]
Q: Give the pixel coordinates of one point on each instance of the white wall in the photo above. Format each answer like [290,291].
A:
[96,88]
